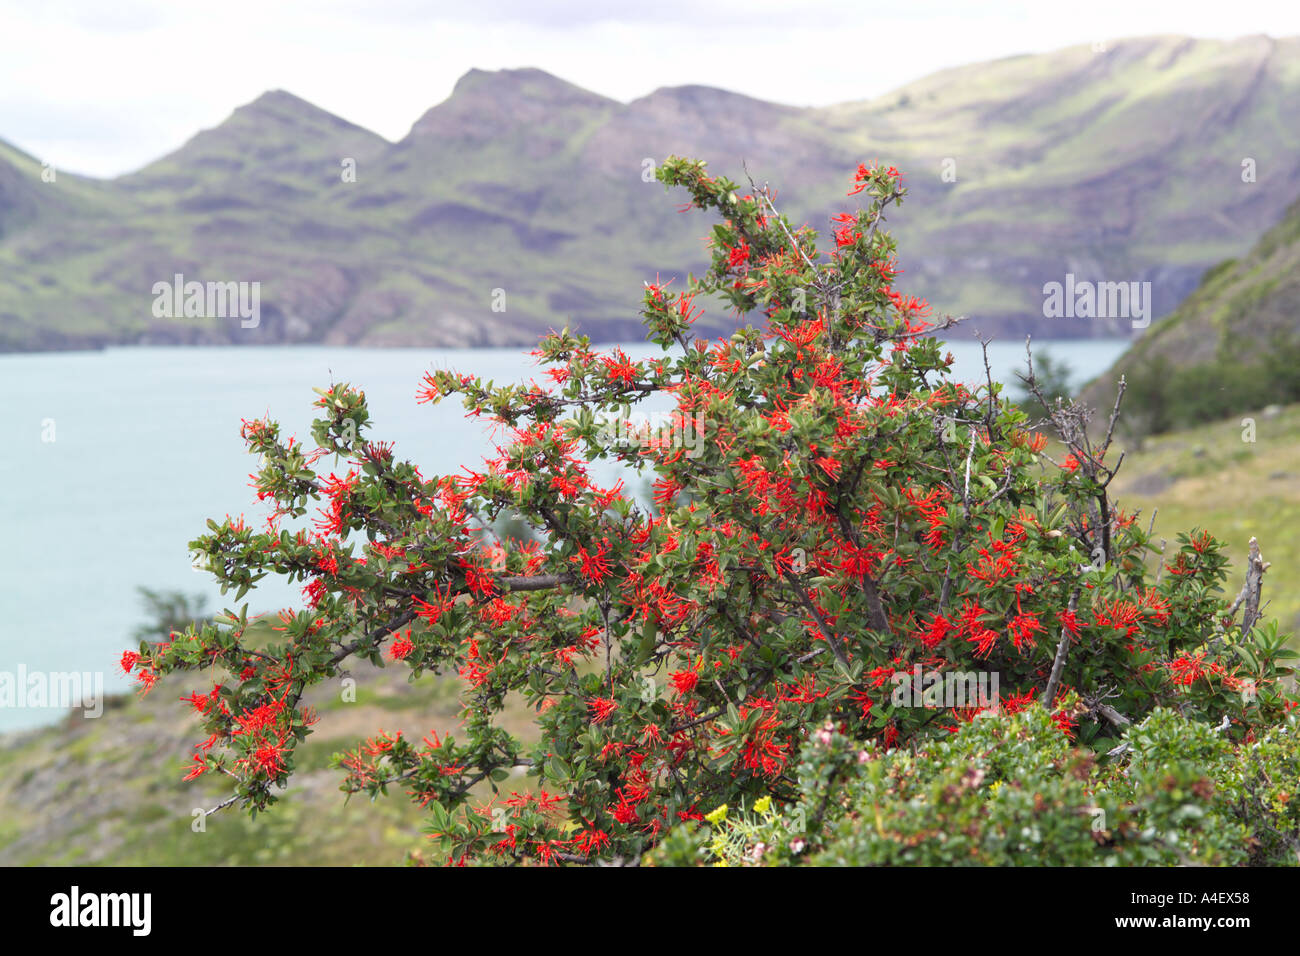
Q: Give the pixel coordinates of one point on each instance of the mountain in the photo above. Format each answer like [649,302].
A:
[1238,309]
[1115,164]
[22,201]
[1230,348]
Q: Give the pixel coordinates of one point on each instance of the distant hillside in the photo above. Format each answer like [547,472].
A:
[110,791]
[1122,164]
[1232,346]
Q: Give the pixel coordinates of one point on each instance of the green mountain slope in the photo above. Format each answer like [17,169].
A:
[525,191]
[1231,347]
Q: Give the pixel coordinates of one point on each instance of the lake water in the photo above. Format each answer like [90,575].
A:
[113,460]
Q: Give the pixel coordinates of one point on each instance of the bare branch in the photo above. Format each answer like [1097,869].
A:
[1058,664]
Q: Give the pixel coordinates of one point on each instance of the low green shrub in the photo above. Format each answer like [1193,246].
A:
[1012,789]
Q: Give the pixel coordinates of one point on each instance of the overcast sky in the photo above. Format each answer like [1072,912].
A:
[104,86]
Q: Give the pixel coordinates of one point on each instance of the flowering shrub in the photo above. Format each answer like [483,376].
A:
[849,518]
[1010,790]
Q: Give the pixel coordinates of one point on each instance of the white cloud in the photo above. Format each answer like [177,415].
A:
[104,89]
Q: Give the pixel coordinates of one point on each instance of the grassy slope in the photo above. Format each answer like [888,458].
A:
[1075,160]
[109,791]
[1208,477]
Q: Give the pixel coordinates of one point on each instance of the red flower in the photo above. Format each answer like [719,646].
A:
[602,709]
[431,612]
[340,492]
[1156,605]
[258,718]
[479,580]
[829,465]
[761,752]
[401,647]
[938,628]
[1018,702]
[1065,722]
[625,812]
[846,234]
[326,562]
[861,179]
[684,681]
[199,701]
[146,679]
[594,566]
[268,758]
[591,840]
[314,591]
[1023,627]
[620,368]
[984,639]
[1186,669]
[129,659]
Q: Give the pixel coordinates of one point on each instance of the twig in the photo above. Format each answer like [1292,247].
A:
[1113,715]
[817,619]
[1058,664]
[222,805]
[965,493]
[1255,568]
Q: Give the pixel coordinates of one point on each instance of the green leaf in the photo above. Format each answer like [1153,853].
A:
[649,634]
